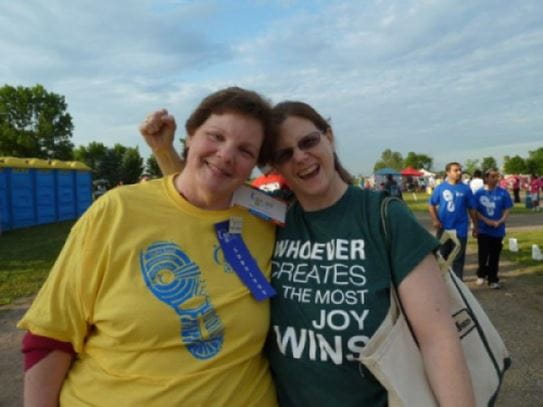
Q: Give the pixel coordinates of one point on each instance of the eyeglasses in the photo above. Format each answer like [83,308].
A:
[307,142]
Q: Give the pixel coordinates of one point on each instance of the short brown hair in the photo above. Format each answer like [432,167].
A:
[282,111]
[240,101]
[449,165]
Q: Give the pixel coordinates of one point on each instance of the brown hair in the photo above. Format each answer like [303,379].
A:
[449,165]
[282,111]
[240,101]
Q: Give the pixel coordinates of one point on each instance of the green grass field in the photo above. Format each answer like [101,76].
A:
[26,256]
[419,203]
[532,269]
[525,241]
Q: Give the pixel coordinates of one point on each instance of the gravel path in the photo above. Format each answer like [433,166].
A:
[516,310]
[11,367]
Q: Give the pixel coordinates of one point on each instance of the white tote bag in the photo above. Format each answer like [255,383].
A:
[394,358]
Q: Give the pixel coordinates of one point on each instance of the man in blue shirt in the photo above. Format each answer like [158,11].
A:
[493,204]
[449,206]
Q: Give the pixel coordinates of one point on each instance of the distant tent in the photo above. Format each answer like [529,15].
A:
[427,173]
[411,172]
[380,177]
[387,171]
[270,182]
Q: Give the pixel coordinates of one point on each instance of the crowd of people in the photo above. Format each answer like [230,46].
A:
[530,186]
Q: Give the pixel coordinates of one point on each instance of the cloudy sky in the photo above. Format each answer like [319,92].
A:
[452,79]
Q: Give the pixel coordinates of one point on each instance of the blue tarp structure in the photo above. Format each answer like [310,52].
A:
[44,188]
[387,171]
[65,191]
[380,177]
[34,191]
[4,212]
[83,188]
[20,194]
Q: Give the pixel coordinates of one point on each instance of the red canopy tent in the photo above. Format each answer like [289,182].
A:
[269,182]
[411,172]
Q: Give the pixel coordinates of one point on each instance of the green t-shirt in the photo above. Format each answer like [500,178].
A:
[332,274]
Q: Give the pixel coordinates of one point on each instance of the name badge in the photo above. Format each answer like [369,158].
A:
[235,224]
[260,204]
[245,266]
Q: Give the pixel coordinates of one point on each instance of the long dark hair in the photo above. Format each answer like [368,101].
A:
[282,111]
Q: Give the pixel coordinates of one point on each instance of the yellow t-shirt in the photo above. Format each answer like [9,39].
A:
[156,315]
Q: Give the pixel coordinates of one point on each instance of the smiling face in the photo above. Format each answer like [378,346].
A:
[454,174]
[222,154]
[310,170]
[492,179]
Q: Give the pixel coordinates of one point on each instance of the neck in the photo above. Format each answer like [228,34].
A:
[452,181]
[198,197]
[311,203]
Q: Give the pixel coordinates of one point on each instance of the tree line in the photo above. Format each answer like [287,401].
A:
[35,123]
[533,164]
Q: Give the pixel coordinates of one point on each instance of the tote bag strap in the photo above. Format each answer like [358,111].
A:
[385,202]
[395,296]
[443,264]
[448,234]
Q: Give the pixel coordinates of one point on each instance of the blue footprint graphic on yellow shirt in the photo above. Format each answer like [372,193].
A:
[175,280]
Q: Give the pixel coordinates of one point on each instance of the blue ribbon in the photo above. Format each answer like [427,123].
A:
[245,266]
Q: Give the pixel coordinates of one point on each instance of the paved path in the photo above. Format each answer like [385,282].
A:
[517,312]
[11,367]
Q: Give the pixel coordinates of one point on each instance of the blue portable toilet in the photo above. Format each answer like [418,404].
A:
[65,190]
[21,193]
[5,202]
[44,191]
[83,186]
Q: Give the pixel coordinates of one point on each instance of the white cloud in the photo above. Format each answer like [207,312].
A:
[439,77]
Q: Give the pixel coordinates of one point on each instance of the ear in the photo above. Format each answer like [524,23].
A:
[329,134]
[188,139]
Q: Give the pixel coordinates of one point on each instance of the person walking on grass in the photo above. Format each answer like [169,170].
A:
[534,187]
[449,206]
[493,204]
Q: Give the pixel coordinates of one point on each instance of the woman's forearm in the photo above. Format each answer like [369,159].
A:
[168,160]
[447,371]
[425,301]
[43,381]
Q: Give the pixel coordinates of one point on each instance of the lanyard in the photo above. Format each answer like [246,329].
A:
[245,266]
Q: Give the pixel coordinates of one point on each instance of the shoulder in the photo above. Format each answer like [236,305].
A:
[438,189]
[368,201]
[504,192]
[462,187]
[365,194]
[145,190]
[127,196]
